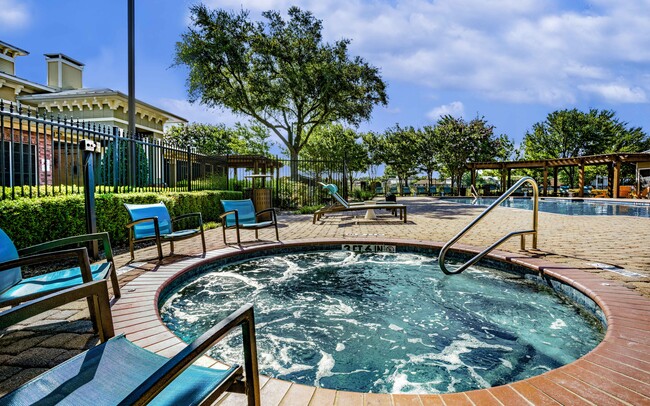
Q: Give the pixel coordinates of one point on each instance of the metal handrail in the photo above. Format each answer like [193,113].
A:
[443,252]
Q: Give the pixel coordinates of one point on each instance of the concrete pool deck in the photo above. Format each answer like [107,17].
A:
[618,372]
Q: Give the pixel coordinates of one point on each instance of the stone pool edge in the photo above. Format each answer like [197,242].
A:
[617,369]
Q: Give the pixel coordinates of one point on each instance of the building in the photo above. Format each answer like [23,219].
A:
[41,125]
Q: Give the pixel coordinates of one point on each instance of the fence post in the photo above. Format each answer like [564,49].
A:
[189,168]
[345,175]
[116,156]
[88,148]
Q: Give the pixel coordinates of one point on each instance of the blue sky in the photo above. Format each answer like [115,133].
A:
[512,61]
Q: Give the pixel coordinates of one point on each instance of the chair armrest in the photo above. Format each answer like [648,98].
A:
[271,210]
[223,217]
[155,222]
[80,253]
[98,289]
[103,237]
[184,216]
[181,361]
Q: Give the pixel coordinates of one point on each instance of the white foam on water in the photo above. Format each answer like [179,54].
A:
[395,327]
[340,347]
[248,281]
[325,366]
[506,363]
[558,324]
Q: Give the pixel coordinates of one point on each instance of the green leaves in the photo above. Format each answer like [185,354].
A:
[277,72]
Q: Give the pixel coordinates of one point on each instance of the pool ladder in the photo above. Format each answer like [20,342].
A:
[522,233]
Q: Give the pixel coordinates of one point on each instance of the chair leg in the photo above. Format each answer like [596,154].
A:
[238,238]
[131,245]
[116,285]
[277,236]
[223,228]
[257,234]
[93,314]
[203,240]
[159,244]
[171,247]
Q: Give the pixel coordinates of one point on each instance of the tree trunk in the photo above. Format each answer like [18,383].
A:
[294,164]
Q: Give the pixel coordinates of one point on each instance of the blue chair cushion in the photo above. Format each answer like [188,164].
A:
[179,234]
[261,224]
[147,229]
[107,373]
[245,211]
[52,281]
[8,252]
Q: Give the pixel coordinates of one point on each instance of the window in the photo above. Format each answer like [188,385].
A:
[17,163]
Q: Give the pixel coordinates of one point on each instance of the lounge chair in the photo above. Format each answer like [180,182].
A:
[345,206]
[379,190]
[393,190]
[446,190]
[118,372]
[420,190]
[15,289]
[406,191]
[433,190]
[241,214]
[153,222]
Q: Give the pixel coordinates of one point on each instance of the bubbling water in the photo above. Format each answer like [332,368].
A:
[385,322]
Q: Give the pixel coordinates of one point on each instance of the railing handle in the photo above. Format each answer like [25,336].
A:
[445,248]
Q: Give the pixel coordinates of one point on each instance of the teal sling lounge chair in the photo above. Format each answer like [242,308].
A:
[406,191]
[14,289]
[153,222]
[118,372]
[433,190]
[420,190]
[241,214]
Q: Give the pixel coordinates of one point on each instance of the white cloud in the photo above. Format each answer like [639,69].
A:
[524,51]
[455,109]
[14,15]
[196,113]
[617,93]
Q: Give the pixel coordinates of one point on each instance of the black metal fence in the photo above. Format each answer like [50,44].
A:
[40,156]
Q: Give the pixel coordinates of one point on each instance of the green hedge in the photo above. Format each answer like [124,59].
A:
[32,221]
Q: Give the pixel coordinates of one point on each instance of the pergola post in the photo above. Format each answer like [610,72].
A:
[617,174]
[544,192]
[581,179]
[555,170]
[473,175]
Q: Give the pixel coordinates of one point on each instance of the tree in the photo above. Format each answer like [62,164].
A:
[425,157]
[459,142]
[337,143]
[278,72]
[572,133]
[108,163]
[398,149]
[220,140]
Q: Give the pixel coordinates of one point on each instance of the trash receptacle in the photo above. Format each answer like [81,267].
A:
[391,197]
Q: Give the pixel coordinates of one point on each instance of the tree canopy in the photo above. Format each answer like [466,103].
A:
[220,140]
[278,72]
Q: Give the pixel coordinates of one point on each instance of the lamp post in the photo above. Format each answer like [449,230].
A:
[131,107]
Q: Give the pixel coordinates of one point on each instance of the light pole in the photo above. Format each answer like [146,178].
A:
[131,107]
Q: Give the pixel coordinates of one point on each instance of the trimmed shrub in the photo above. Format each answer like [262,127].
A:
[32,221]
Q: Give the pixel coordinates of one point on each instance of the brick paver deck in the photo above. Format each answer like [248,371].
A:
[616,372]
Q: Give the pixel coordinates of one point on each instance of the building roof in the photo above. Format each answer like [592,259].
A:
[89,96]
[64,57]
[33,86]
[10,50]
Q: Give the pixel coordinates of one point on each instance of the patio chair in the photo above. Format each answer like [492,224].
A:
[433,190]
[344,205]
[420,190]
[241,214]
[446,190]
[14,289]
[393,190]
[153,222]
[379,190]
[406,191]
[118,372]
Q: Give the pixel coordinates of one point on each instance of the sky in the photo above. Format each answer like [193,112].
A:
[510,61]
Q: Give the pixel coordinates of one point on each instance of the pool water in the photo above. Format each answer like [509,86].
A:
[567,206]
[386,322]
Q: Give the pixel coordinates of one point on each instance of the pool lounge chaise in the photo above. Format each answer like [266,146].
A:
[118,372]
[345,206]
[241,214]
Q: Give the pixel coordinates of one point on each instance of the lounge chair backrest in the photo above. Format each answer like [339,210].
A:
[146,229]
[334,191]
[432,189]
[245,211]
[8,252]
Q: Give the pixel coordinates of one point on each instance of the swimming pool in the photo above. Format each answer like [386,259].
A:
[571,207]
[350,321]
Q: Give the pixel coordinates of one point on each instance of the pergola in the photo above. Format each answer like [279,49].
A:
[613,162]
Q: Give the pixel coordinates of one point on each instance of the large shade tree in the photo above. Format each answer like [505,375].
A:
[398,148]
[339,144]
[573,133]
[460,142]
[218,139]
[278,72]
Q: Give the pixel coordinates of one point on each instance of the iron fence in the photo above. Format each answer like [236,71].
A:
[40,156]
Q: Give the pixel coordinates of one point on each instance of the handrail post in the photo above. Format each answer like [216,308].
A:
[497,202]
